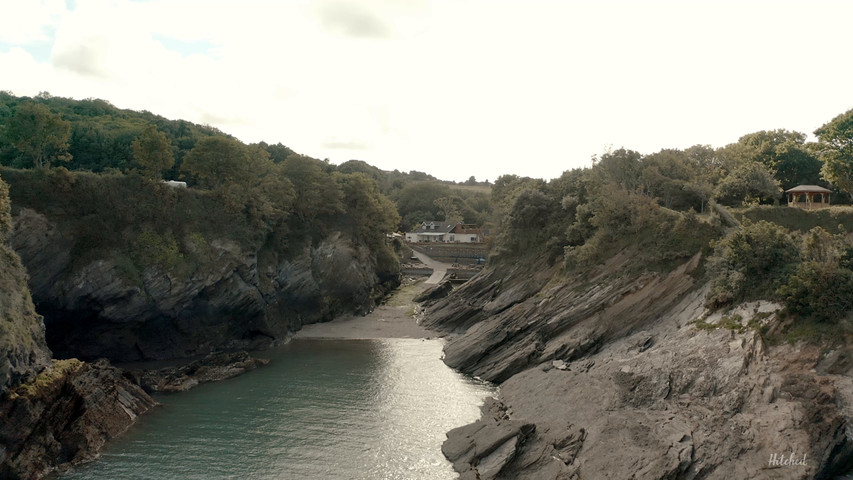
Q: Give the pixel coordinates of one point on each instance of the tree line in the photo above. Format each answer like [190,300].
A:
[93,135]
[652,207]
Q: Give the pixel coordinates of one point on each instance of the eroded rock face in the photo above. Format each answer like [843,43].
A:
[23,351]
[66,418]
[616,381]
[238,300]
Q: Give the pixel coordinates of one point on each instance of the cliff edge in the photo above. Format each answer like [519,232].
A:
[52,413]
[608,374]
[130,270]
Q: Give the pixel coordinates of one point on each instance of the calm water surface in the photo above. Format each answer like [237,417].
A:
[322,409]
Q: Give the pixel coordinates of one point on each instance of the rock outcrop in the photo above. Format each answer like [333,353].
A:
[65,416]
[212,368]
[240,299]
[608,376]
[23,351]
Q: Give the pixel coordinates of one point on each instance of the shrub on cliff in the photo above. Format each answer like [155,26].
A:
[819,291]
[751,263]
[821,287]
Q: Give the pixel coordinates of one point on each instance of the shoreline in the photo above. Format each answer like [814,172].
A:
[395,318]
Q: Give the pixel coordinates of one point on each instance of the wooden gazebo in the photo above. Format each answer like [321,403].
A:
[809,197]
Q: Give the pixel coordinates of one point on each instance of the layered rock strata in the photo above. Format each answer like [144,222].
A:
[611,376]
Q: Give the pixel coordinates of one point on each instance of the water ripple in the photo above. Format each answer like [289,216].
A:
[322,409]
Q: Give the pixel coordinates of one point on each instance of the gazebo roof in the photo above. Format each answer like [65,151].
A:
[808,189]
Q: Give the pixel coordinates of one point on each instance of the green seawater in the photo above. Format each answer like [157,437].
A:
[322,409]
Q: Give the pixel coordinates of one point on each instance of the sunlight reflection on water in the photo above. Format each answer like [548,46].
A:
[361,409]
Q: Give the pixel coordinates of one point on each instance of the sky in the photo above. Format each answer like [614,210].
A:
[453,88]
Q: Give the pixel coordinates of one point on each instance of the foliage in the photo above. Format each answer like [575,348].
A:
[5,212]
[809,272]
[749,183]
[450,208]
[101,134]
[751,263]
[818,290]
[39,134]
[317,194]
[158,250]
[671,177]
[416,202]
[821,288]
[507,188]
[153,152]
[622,168]
[215,162]
[371,215]
[783,152]
[835,220]
[835,148]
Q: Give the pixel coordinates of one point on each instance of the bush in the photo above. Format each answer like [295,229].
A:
[819,291]
[751,263]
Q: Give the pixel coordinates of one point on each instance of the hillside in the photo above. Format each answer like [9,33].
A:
[129,269]
[100,139]
[631,340]
[52,412]
[23,351]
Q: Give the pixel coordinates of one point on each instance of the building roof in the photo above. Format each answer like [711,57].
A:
[435,227]
[808,189]
[465,229]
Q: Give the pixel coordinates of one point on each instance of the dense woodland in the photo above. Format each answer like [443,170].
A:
[94,136]
[657,204]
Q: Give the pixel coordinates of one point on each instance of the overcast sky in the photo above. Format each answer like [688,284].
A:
[453,88]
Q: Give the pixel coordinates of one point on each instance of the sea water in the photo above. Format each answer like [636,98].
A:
[322,409]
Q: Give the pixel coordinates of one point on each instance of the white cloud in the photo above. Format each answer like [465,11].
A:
[461,88]
[26,22]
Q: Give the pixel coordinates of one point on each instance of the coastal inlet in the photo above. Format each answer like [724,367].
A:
[322,408]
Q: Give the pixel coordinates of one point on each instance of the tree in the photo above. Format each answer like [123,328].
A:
[621,167]
[416,202]
[316,192]
[39,134]
[751,262]
[217,161]
[370,214]
[751,182]
[449,207]
[783,151]
[671,177]
[153,151]
[835,148]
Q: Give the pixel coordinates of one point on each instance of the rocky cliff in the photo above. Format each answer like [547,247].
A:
[242,299]
[65,416]
[23,351]
[607,374]
[51,413]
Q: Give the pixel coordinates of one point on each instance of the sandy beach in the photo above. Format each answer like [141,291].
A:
[392,319]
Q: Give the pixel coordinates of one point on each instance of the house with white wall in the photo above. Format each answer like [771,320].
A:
[445,232]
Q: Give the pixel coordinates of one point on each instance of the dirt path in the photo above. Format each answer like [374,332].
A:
[439,269]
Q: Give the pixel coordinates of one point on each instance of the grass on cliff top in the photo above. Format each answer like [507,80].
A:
[830,219]
[50,375]
[663,242]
